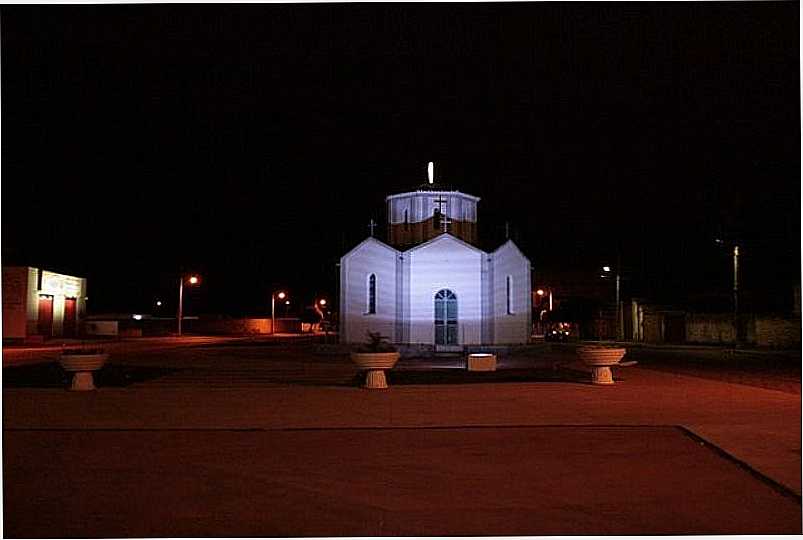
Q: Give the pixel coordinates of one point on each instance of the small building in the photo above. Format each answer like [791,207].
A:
[431,284]
[38,303]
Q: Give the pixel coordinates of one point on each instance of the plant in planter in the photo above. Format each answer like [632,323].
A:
[81,362]
[374,357]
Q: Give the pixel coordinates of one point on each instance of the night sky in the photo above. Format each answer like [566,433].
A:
[253,143]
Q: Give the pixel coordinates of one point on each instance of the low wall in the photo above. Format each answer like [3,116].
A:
[709,328]
[777,332]
[244,326]
[101,328]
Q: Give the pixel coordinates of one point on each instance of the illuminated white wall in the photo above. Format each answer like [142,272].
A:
[445,263]
[369,257]
[21,290]
[507,261]
[406,284]
[420,205]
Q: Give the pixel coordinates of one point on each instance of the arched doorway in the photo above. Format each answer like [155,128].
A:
[445,318]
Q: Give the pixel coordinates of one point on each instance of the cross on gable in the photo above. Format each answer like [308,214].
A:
[445,221]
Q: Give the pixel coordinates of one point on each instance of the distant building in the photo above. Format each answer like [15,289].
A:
[432,285]
[38,302]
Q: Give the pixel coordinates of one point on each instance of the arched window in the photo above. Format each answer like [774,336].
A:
[445,317]
[509,284]
[371,297]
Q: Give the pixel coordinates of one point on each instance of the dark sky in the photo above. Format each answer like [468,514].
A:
[253,143]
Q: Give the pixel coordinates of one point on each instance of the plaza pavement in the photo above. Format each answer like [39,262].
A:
[235,438]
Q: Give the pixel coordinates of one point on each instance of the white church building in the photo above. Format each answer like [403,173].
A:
[430,284]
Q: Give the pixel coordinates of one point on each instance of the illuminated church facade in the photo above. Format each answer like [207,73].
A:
[430,284]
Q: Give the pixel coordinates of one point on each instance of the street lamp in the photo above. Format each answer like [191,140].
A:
[281,296]
[720,241]
[619,325]
[540,292]
[191,280]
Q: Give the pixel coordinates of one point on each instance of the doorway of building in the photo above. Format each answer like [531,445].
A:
[445,318]
[44,326]
[69,317]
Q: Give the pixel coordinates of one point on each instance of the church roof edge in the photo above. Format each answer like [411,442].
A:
[369,239]
[515,246]
[445,236]
[419,191]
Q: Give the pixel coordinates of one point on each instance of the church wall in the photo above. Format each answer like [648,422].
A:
[515,328]
[355,267]
[445,264]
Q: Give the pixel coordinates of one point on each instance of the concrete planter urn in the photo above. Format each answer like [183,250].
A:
[375,364]
[600,360]
[374,357]
[81,363]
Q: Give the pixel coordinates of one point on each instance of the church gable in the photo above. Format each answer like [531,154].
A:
[451,268]
[511,248]
[370,244]
[368,296]
[510,292]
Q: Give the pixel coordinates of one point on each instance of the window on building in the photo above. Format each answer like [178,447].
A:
[509,295]
[372,293]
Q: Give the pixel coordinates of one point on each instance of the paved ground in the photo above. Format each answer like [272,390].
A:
[228,437]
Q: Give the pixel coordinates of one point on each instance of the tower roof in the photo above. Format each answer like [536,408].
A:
[439,186]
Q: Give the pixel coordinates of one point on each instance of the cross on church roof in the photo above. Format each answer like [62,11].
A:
[439,201]
[445,221]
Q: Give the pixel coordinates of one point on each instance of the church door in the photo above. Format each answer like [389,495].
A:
[445,318]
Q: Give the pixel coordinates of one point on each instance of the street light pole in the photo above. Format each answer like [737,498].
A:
[192,281]
[180,302]
[273,310]
[619,325]
[273,313]
[736,293]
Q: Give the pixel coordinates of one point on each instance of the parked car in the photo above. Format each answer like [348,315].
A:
[562,331]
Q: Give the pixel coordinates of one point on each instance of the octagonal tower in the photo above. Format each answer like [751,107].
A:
[432,209]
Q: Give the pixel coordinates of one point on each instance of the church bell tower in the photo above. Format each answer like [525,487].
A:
[432,209]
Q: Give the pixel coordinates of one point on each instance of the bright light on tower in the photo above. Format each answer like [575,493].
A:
[281,296]
[606,268]
[193,280]
[431,172]
[322,301]
[540,292]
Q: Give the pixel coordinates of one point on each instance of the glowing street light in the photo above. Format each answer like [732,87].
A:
[322,302]
[191,280]
[281,296]
[541,292]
